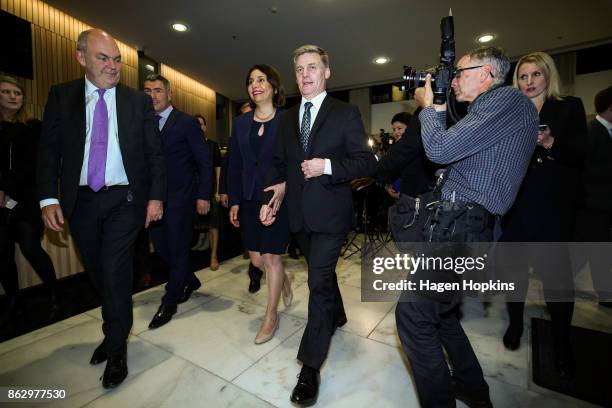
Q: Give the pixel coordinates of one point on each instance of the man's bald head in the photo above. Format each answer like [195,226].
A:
[98,52]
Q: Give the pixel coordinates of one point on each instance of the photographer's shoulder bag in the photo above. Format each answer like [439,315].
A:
[408,216]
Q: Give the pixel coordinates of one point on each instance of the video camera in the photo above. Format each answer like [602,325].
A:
[441,75]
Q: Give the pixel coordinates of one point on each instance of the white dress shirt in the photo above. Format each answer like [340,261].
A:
[317,101]
[115,172]
[164,116]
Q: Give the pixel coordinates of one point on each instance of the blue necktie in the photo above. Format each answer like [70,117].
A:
[305,130]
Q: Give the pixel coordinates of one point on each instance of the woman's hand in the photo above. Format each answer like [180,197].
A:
[545,138]
[233,216]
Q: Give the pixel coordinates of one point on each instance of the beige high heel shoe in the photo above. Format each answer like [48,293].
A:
[287,292]
[262,336]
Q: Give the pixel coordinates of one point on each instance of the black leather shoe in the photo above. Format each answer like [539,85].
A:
[116,370]
[99,355]
[189,289]
[164,315]
[512,337]
[341,322]
[473,400]
[306,390]
[255,274]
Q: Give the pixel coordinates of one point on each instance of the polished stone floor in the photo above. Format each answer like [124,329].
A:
[205,357]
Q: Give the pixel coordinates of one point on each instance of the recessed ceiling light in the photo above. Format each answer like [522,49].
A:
[150,67]
[179,27]
[381,60]
[485,38]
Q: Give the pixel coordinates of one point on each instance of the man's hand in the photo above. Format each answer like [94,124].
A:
[202,206]
[224,200]
[267,215]
[424,95]
[2,199]
[53,217]
[233,215]
[313,168]
[277,198]
[155,211]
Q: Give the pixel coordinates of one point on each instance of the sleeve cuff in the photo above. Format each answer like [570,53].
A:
[328,167]
[48,201]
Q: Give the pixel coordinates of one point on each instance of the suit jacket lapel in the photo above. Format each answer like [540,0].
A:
[321,116]
[80,120]
[170,121]
[124,113]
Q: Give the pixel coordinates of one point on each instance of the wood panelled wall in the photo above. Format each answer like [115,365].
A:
[54,36]
[192,97]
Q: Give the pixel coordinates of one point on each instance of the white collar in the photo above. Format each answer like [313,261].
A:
[166,112]
[607,124]
[91,88]
[317,101]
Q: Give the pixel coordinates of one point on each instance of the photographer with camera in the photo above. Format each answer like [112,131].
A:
[487,153]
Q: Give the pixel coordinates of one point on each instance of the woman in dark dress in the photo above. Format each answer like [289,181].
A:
[20,219]
[253,139]
[545,207]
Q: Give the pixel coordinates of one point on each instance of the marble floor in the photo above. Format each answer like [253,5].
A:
[205,357]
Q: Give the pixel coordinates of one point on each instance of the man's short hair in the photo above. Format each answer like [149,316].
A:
[82,40]
[201,117]
[402,117]
[500,64]
[603,100]
[158,77]
[308,48]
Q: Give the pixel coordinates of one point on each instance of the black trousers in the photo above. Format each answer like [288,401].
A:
[595,225]
[325,307]
[27,233]
[104,226]
[171,236]
[426,327]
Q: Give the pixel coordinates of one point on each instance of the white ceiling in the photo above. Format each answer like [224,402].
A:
[229,36]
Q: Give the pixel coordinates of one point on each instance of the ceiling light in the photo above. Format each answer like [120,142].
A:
[485,38]
[381,60]
[179,27]
[150,67]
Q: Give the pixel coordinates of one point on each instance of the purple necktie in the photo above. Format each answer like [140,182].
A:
[96,167]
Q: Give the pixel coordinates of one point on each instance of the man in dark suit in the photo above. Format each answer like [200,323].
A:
[322,146]
[104,138]
[184,150]
[595,220]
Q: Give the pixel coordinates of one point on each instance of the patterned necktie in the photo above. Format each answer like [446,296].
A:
[305,130]
[96,167]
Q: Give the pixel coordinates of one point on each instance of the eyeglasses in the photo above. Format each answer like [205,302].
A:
[458,71]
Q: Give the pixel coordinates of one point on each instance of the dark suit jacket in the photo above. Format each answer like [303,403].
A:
[246,170]
[597,175]
[407,158]
[184,148]
[62,145]
[324,204]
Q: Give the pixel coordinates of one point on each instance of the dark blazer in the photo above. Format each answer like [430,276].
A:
[597,175]
[246,170]
[62,144]
[324,204]
[18,146]
[407,158]
[183,145]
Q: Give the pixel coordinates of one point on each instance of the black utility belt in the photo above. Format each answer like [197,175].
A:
[449,205]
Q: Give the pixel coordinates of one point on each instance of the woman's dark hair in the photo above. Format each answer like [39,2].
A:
[403,117]
[274,79]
